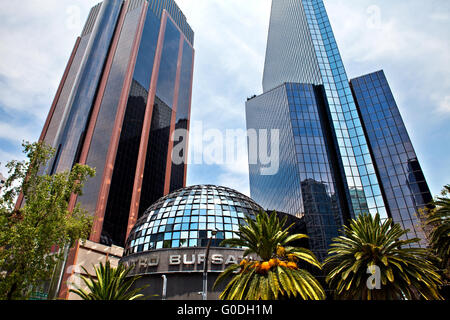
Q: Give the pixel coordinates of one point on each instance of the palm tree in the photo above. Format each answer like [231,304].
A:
[438,220]
[109,284]
[277,275]
[370,245]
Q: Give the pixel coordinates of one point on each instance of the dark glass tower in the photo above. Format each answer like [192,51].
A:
[126,88]
[328,172]
[402,181]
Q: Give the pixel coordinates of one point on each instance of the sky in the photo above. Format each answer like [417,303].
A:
[408,39]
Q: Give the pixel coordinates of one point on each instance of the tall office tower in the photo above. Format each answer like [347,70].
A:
[401,177]
[327,173]
[125,90]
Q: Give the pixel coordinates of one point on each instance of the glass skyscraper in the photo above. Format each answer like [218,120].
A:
[328,172]
[126,88]
[401,178]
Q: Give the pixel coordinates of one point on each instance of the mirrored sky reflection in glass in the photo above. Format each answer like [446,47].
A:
[185,218]
[352,144]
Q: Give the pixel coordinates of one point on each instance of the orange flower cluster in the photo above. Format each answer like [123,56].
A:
[265,266]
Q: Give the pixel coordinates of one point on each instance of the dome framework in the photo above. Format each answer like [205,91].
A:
[187,217]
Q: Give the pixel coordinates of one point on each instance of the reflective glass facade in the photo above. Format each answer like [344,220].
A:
[353,150]
[168,68]
[182,115]
[156,159]
[117,101]
[72,126]
[157,6]
[305,184]
[186,217]
[302,27]
[104,125]
[337,160]
[280,191]
[290,55]
[402,180]
[120,194]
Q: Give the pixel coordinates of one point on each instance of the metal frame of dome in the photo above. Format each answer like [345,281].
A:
[186,217]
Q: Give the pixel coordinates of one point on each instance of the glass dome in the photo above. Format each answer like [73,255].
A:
[186,218]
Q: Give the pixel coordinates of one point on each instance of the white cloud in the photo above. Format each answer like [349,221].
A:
[37,40]
[444,105]
[236,182]
[411,44]
[230,40]
[439,16]
[10,132]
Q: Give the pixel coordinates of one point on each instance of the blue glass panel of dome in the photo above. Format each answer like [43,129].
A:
[187,217]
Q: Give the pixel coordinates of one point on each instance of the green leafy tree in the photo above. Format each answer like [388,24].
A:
[109,284]
[277,275]
[370,262]
[30,234]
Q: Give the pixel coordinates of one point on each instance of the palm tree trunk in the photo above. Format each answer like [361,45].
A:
[11,291]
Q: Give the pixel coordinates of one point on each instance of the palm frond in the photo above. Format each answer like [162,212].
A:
[109,284]
[268,279]
[368,241]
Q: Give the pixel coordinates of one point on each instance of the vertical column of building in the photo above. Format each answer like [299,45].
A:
[154,166]
[182,120]
[401,178]
[321,199]
[139,175]
[290,55]
[173,118]
[74,121]
[156,162]
[65,87]
[116,216]
[73,253]
[351,142]
[177,158]
[269,114]
[135,19]
[54,118]
[104,129]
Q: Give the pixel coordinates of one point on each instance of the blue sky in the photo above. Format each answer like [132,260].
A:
[409,39]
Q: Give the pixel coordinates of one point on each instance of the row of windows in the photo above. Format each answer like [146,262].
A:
[192,219]
[181,231]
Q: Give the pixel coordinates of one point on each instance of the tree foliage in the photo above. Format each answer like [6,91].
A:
[277,275]
[438,221]
[370,245]
[109,284]
[30,234]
